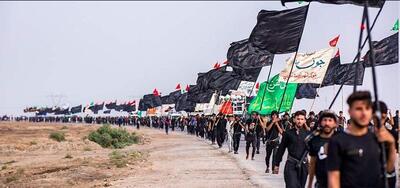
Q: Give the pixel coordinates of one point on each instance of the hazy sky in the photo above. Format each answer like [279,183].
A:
[96,51]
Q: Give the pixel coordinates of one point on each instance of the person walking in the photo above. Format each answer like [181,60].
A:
[272,132]
[237,133]
[229,130]
[250,136]
[296,167]
[354,156]
[318,149]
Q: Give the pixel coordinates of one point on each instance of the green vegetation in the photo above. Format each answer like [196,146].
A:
[109,137]
[57,136]
[120,159]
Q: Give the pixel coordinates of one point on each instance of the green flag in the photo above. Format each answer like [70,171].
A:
[273,97]
[396,26]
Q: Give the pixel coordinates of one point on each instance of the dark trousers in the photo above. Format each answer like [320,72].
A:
[220,137]
[271,149]
[236,141]
[253,145]
[213,135]
[258,141]
[294,176]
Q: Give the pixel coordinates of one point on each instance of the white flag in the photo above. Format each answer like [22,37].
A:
[308,68]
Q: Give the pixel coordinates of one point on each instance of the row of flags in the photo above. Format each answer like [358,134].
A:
[94,108]
[276,32]
[308,72]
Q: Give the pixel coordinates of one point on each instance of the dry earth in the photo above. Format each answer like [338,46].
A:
[29,158]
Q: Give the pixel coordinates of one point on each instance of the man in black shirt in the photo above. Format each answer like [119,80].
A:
[286,124]
[272,131]
[221,128]
[295,173]
[255,118]
[354,157]
[237,133]
[318,149]
[311,121]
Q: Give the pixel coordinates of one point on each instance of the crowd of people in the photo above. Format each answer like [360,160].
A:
[326,147]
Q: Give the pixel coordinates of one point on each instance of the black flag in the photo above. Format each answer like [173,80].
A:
[278,32]
[76,109]
[184,105]
[119,107]
[308,91]
[218,79]
[227,81]
[386,51]
[111,105]
[198,96]
[330,75]
[44,111]
[61,111]
[149,101]
[371,3]
[346,73]
[342,73]
[171,98]
[250,75]
[96,108]
[129,107]
[240,56]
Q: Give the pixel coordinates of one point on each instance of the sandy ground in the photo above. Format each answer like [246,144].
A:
[29,158]
[180,160]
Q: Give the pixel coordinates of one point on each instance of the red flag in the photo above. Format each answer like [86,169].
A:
[155,92]
[337,53]
[217,65]
[226,108]
[187,88]
[226,62]
[363,26]
[257,85]
[334,41]
[132,103]
[178,87]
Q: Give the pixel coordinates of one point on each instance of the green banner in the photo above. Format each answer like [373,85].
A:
[273,96]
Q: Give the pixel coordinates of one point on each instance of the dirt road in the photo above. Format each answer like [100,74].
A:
[179,160]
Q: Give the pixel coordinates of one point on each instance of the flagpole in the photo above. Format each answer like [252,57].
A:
[375,86]
[294,60]
[359,51]
[312,105]
[355,58]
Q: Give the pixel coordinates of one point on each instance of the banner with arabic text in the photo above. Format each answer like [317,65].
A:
[309,67]
[269,97]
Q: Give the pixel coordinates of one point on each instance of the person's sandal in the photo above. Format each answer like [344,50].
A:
[267,170]
[247,157]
